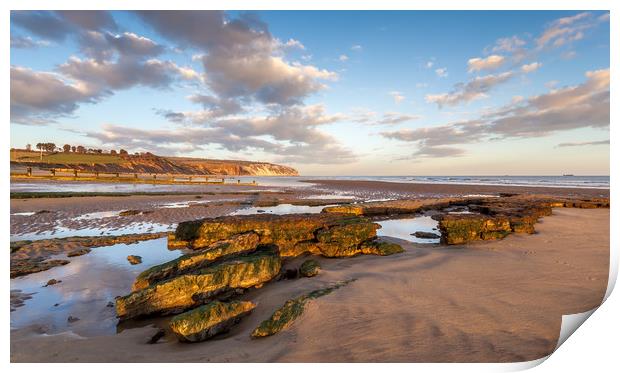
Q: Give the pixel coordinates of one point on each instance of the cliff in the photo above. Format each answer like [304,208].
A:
[149,163]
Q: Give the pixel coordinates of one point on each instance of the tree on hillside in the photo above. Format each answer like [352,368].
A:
[80,149]
[28,147]
[123,152]
[66,148]
[73,148]
[47,146]
[113,152]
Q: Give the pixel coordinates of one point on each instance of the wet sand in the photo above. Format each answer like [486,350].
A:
[428,190]
[486,302]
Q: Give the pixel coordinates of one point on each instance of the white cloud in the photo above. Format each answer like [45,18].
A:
[509,44]
[528,68]
[398,97]
[473,90]
[343,58]
[441,72]
[356,47]
[581,106]
[491,62]
[27,42]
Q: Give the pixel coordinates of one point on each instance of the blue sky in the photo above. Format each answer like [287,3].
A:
[328,92]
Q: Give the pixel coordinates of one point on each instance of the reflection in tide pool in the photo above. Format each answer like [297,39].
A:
[281,210]
[88,284]
[102,230]
[404,228]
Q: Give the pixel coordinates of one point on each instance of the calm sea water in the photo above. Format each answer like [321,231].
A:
[598,182]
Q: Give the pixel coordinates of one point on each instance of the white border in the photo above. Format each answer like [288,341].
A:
[596,340]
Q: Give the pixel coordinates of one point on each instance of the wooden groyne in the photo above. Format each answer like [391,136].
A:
[69,174]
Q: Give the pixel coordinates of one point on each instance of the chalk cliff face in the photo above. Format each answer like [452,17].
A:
[150,163]
[225,167]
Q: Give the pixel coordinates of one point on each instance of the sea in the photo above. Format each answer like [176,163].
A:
[593,182]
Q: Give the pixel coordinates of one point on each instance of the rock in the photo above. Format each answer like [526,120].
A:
[289,274]
[381,248]
[16,245]
[237,244]
[78,252]
[52,282]
[157,336]
[331,235]
[425,235]
[310,268]
[72,319]
[18,298]
[283,317]
[110,304]
[199,287]
[22,267]
[459,229]
[260,211]
[209,320]
[134,259]
[392,207]
[43,212]
[133,212]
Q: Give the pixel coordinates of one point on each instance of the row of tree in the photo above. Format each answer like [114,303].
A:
[51,147]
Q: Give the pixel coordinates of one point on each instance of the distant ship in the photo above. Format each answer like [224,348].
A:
[568,175]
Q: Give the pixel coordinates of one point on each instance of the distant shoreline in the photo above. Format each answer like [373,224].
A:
[454,188]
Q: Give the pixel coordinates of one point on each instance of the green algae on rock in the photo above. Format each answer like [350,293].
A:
[290,311]
[237,244]
[381,248]
[209,320]
[190,290]
[309,268]
[330,235]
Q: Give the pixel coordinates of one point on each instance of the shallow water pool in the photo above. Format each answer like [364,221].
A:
[281,210]
[88,284]
[404,228]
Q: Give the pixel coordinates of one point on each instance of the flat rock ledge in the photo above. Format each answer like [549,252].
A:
[237,244]
[207,321]
[329,235]
[486,218]
[220,280]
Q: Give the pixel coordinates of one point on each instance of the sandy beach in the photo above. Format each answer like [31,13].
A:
[492,301]
[486,302]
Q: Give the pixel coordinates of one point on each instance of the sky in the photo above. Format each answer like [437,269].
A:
[327,92]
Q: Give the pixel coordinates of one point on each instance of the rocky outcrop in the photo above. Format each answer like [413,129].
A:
[425,235]
[22,267]
[193,289]
[236,244]
[284,316]
[487,218]
[458,229]
[209,320]
[330,235]
[309,268]
[392,207]
[134,259]
[382,248]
